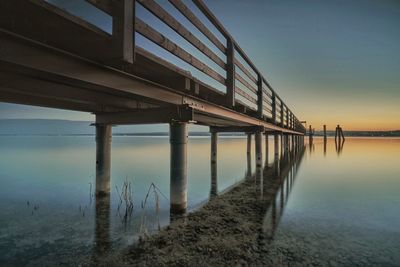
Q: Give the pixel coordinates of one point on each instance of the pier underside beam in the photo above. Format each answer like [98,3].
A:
[236,129]
[178,169]
[103,159]
[181,113]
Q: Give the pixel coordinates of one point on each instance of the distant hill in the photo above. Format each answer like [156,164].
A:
[44,126]
[363,133]
[67,127]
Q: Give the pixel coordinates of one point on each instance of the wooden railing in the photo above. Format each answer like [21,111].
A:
[229,65]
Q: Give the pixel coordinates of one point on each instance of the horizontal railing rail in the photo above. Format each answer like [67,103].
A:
[214,54]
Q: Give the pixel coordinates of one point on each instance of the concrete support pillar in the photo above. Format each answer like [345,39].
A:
[249,143]
[214,145]
[276,147]
[266,149]
[178,170]
[249,155]
[249,169]
[258,141]
[214,183]
[103,159]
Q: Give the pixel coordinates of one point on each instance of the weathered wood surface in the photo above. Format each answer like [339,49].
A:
[37,24]
[178,4]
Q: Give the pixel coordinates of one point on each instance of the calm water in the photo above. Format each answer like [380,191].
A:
[343,204]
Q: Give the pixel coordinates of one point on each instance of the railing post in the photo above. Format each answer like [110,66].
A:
[273,104]
[230,73]
[287,117]
[260,96]
[292,121]
[123,30]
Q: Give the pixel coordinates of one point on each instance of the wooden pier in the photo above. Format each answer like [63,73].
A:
[52,58]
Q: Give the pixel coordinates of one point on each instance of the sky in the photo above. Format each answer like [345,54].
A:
[332,62]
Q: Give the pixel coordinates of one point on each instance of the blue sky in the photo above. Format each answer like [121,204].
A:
[331,61]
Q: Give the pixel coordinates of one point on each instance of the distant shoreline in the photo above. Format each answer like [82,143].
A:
[194,134]
[48,127]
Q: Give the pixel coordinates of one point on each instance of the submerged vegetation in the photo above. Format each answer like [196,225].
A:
[143,222]
[126,200]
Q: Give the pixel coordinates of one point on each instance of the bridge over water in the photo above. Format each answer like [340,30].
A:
[52,58]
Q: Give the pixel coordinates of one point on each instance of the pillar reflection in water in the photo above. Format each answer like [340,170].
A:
[214,180]
[276,154]
[339,143]
[102,241]
[280,187]
[249,169]
[311,145]
[266,150]
[260,179]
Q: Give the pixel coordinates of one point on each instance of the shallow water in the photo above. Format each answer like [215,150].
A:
[342,207]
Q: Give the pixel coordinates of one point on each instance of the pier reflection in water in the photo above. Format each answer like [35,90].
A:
[102,240]
[329,209]
[241,213]
[271,193]
[280,187]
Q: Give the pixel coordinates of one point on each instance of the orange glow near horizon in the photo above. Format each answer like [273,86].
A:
[366,115]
